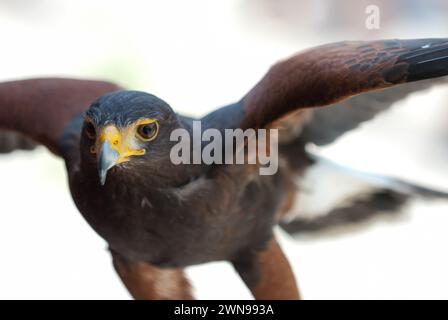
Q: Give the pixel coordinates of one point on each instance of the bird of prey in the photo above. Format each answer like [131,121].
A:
[159,217]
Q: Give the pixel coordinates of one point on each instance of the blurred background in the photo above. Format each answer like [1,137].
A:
[199,55]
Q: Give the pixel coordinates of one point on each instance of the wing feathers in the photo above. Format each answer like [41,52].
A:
[329,123]
[331,73]
[41,108]
[10,141]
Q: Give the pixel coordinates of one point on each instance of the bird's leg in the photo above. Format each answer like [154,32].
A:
[146,282]
[268,274]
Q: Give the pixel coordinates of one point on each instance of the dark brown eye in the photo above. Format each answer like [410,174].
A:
[148,131]
[90,130]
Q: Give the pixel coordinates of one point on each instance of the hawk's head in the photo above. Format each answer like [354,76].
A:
[127,126]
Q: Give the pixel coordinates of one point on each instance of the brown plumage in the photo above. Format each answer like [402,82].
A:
[158,217]
[331,73]
[51,103]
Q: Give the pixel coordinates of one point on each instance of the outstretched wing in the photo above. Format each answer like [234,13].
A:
[41,108]
[331,73]
[327,124]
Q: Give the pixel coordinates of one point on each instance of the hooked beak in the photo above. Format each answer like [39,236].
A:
[113,148]
[108,158]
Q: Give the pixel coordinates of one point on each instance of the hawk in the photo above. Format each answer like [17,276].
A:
[159,217]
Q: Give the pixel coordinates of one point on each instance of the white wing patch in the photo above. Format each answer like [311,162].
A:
[324,187]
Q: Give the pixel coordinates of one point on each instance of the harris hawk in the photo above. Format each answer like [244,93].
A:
[159,217]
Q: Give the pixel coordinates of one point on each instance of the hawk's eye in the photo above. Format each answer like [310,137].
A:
[90,130]
[148,131]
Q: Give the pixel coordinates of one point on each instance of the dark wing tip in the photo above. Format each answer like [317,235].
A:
[430,60]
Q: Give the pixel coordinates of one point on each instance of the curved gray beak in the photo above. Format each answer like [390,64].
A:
[107,158]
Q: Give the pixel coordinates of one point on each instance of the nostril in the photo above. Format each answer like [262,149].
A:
[115,142]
